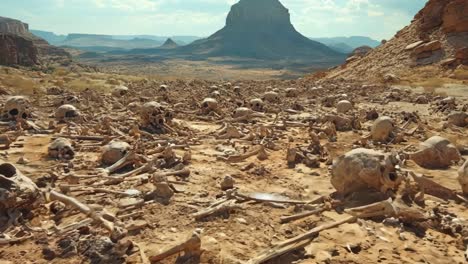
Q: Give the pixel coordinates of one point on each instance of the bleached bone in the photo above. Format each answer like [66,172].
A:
[382,129]
[257,105]
[271,97]
[16,190]
[372,210]
[129,158]
[17,106]
[218,209]
[436,152]
[116,232]
[191,248]
[120,91]
[361,169]
[114,151]
[242,157]
[185,172]
[66,112]
[61,148]
[209,105]
[463,177]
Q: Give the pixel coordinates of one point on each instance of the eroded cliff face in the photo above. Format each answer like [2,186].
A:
[18,46]
[17,50]
[13,26]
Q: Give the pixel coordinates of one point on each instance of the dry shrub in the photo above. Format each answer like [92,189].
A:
[461,73]
[82,84]
[60,72]
[20,84]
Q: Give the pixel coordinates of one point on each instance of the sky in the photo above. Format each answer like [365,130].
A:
[379,19]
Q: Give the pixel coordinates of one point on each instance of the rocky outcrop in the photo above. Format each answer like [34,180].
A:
[438,36]
[13,26]
[18,46]
[17,50]
[261,29]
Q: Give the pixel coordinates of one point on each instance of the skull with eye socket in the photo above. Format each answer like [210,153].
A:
[209,105]
[120,91]
[271,97]
[256,105]
[364,169]
[62,149]
[17,107]
[153,115]
[66,113]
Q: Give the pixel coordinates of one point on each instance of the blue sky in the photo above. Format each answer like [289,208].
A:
[314,18]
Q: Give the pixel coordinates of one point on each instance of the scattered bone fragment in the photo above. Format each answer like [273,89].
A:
[463,177]
[435,153]
[191,247]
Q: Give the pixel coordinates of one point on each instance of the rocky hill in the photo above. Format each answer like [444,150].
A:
[261,29]
[437,36]
[18,46]
[169,44]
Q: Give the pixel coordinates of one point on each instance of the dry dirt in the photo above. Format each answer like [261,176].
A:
[243,233]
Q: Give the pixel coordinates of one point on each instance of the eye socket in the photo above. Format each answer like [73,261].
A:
[392,176]
[14,112]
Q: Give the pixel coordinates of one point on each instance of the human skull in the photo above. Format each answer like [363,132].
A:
[17,106]
[241,112]
[209,105]
[216,94]
[361,169]
[382,129]
[163,88]
[152,115]
[114,151]
[463,177]
[66,113]
[236,89]
[344,106]
[436,153]
[271,97]
[120,91]
[291,92]
[256,104]
[61,148]
[16,190]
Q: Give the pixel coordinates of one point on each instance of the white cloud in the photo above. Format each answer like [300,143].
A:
[128,5]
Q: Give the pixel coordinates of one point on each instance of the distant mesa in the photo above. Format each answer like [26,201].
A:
[260,29]
[169,44]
